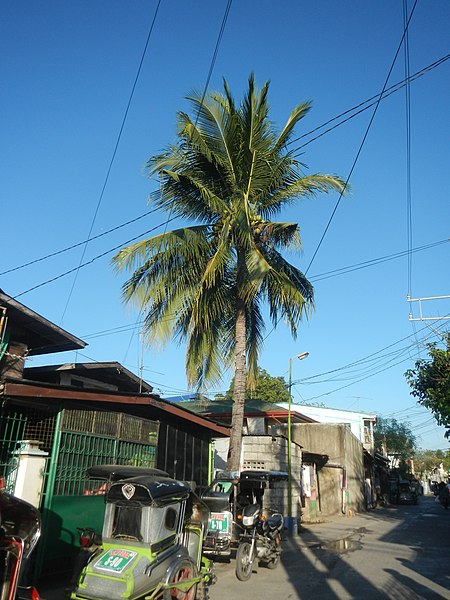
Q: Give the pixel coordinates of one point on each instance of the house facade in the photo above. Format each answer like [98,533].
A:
[361,424]
[58,420]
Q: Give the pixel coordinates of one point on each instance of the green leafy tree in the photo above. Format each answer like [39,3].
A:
[426,460]
[430,381]
[396,438]
[229,173]
[267,389]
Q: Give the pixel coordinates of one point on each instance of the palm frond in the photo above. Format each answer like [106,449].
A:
[229,173]
[296,115]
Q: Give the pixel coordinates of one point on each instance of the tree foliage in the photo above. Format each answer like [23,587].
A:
[396,438]
[229,174]
[427,460]
[430,381]
[267,388]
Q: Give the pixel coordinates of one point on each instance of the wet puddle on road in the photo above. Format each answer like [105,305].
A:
[338,546]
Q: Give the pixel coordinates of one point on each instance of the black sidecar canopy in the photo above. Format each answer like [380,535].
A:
[148,491]
[270,476]
[119,472]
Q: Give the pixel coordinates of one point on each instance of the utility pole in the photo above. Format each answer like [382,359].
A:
[421,317]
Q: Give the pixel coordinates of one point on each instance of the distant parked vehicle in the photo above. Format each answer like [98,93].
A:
[407,492]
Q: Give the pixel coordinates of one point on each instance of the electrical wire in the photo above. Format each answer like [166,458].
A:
[409,227]
[111,162]
[67,248]
[361,106]
[401,84]
[362,142]
[208,79]
[360,361]
[336,272]
[89,262]
[371,374]
[372,262]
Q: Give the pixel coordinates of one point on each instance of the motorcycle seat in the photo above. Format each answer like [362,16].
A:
[275,522]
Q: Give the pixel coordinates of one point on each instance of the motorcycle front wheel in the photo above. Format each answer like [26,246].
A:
[244,561]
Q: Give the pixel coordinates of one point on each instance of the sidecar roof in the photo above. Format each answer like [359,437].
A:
[118,472]
[147,490]
[256,476]
[262,475]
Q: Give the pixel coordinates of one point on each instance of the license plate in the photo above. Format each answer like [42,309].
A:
[115,560]
[218,522]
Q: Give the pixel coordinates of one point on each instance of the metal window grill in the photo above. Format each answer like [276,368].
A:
[78,452]
[91,421]
[18,424]
[98,437]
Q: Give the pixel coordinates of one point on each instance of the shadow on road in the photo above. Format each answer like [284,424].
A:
[315,570]
[319,566]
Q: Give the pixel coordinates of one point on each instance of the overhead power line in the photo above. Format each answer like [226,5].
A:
[361,146]
[374,261]
[111,162]
[398,86]
[369,374]
[320,277]
[365,105]
[89,262]
[78,244]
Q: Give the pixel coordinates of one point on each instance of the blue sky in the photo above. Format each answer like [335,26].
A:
[67,72]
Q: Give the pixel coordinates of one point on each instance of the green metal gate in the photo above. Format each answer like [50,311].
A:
[86,438]
[19,423]
[75,440]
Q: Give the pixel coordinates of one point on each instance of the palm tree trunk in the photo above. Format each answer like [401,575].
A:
[237,416]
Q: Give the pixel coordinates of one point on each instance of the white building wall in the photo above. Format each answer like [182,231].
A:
[355,420]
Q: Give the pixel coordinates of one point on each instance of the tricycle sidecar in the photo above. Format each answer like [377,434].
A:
[151,544]
[226,498]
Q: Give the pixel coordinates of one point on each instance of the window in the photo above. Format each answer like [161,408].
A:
[127,522]
[171,519]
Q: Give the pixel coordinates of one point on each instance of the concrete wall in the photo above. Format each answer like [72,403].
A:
[270,452]
[323,414]
[341,480]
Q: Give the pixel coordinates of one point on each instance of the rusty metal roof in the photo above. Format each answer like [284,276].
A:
[40,335]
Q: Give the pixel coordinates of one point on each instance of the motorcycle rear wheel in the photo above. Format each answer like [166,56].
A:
[244,561]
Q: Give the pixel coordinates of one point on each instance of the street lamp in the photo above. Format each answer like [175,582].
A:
[290,519]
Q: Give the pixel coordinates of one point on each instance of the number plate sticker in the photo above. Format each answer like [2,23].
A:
[218,522]
[115,560]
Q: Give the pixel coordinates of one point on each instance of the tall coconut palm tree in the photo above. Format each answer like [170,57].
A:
[228,174]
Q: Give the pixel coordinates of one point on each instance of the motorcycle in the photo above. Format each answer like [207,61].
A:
[20,528]
[260,541]
[444,495]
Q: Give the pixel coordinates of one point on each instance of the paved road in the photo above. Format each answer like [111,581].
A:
[397,553]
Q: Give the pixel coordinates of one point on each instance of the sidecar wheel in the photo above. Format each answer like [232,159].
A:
[244,562]
[183,573]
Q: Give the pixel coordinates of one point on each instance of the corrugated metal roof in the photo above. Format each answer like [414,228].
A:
[41,336]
